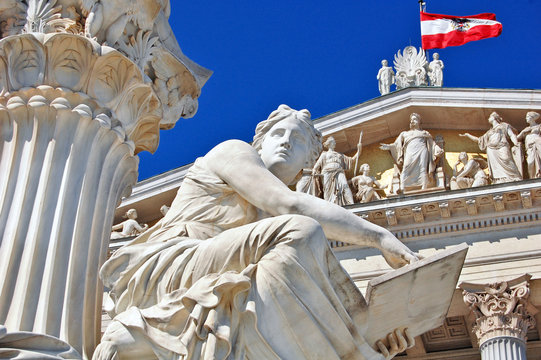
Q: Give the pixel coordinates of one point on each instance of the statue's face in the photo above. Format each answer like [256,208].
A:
[285,147]
[384,62]
[366,168]
[331,143]
[530,119]
[436,56]
[492,120]
[415,122]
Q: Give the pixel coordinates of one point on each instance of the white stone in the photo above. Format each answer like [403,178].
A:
[503,150]
[531,135]
[385,78]
[332,165]
[425,290]
[415,153]
[235,259]
[435,71]
[74,112]
[366,187]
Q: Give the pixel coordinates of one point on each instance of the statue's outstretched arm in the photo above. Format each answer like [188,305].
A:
[238,164]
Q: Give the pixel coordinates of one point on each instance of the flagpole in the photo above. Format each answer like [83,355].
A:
[422,8]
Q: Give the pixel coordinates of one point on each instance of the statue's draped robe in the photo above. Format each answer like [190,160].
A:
[210,281]
[331,165]
[497,144]
[417,152]
[472,175]
[532,142]
[365,189]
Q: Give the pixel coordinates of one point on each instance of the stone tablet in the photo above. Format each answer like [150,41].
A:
[425,290]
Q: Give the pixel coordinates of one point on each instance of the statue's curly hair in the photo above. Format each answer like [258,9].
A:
[285,112]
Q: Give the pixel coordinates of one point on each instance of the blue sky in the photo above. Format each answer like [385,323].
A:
[324,56]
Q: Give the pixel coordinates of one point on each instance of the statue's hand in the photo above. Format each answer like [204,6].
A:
[106,350]
[398,342]
[384,146]
[396,253]
[463,135]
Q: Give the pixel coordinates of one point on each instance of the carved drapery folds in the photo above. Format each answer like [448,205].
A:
[501,309]
[84,86]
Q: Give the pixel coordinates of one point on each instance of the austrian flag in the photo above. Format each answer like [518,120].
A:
[440,31]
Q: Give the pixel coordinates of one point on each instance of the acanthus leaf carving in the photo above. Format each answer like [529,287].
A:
[69,58]
[501,309]
[140,48]
[25,61]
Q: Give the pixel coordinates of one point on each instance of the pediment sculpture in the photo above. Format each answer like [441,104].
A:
[504,153]
[415,154]
[129,227]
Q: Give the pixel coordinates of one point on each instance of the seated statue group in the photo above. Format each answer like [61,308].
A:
[418,163]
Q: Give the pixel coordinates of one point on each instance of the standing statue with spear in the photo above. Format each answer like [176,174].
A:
[331,166]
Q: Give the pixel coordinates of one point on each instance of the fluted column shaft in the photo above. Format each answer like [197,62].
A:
[63,173]
[503,348]
[84,87]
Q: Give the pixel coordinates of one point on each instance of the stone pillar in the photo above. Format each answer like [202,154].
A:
[503,316]
[74,112]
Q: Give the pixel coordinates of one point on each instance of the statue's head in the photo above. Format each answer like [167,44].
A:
[288,138]
[531,117]
[131,214]
[436,56]
[384,62]
[494,118]
[415,121]
[365,168]
[330,143]
[463,157]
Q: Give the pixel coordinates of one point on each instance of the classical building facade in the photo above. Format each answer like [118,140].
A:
[494,310]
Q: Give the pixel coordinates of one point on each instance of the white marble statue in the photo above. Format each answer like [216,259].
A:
[243,269]
[385,78]
[365,186]
[435,71]
[502,148]
[129,227]
[415,154]
[332,165]
[472,173]
[531,136]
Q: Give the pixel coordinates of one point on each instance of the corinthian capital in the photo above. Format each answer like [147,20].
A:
[113,43]
[501,309]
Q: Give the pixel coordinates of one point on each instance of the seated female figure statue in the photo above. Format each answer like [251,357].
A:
[240,267]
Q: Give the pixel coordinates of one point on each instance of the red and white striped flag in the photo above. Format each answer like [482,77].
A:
[440,31]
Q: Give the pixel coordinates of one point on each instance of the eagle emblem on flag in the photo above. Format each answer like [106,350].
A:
[461,24]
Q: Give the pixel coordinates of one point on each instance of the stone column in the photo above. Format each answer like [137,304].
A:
[503,317]
[74,112]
